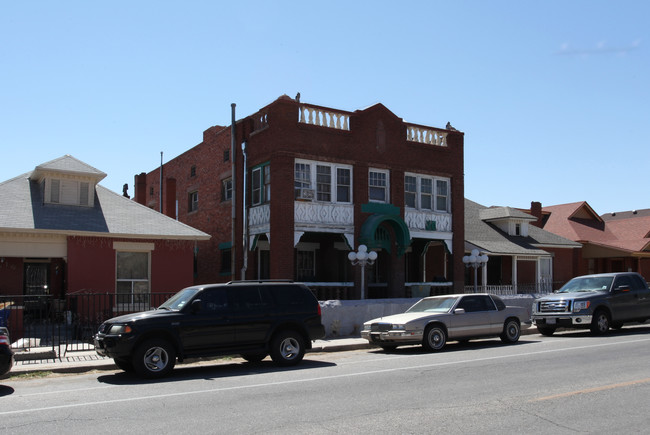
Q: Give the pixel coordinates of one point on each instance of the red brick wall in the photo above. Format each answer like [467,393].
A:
[377,138]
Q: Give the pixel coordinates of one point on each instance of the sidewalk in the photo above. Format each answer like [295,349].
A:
[85,361]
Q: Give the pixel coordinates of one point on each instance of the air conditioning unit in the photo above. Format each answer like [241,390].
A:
[306,194]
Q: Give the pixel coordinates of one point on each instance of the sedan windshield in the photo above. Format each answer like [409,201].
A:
[587,284]
[435,305]
[179,300]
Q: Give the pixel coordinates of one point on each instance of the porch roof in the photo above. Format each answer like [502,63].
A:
[488,237]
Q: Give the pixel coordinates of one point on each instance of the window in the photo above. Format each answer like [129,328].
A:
[343,185]
[193,201]
[225,261]
[83,193]
[302,177]
[132,277]
[305,265]
[442,195]
[378,185]
[419,193]
[226,190]
[261,184]
[226,155]
[193,171]
[151,191]
[410,191]
[55,189]
[323,182]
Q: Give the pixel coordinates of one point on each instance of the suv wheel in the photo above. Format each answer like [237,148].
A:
[600,322]
[287,348]
[154,358]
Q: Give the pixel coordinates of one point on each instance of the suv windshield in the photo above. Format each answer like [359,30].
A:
[179,300]
[436,305]
[587,284]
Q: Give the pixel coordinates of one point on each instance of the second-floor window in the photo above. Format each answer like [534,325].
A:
[323,182]
[426,193]
[378,185]
[226,189]
[261,184]
[193,201]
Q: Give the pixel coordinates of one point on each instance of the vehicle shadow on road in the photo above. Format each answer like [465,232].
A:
[6,390]
[458,346]
[626,330]
[211,371]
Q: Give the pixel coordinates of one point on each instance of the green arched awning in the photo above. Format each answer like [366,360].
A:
[373,236]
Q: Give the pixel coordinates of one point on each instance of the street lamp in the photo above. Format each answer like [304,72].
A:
[361,258]
[475,260]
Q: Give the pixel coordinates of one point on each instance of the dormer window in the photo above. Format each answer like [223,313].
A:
[517,229]
[67,192]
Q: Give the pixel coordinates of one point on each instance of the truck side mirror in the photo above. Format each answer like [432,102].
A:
[195,307]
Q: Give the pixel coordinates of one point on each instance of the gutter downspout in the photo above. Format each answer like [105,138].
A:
[234,191]
[161,180]
[244,215]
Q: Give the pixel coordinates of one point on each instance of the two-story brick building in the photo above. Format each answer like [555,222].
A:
[300,186]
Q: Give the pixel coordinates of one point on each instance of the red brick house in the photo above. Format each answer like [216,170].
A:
[612,242]
[61,233]
[301,186]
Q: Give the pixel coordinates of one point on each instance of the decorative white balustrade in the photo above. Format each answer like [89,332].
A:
[260,121]
[324,117]
[427,221]
[425,135]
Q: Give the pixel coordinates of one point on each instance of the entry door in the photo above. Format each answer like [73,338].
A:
[36,279]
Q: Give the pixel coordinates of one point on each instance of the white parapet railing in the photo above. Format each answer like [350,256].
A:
[324,117]
[421,134]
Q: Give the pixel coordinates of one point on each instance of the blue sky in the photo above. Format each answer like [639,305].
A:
[553,97]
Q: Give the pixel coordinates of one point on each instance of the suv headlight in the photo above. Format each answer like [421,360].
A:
[580,305]
[118,329]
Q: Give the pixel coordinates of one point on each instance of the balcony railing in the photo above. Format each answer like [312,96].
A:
[426,135]
[323,117]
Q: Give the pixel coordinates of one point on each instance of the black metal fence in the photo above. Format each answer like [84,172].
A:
[64,325]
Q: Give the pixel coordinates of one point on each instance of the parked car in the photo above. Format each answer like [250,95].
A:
[433,321]
[597,302]
[252,319]
[6,353]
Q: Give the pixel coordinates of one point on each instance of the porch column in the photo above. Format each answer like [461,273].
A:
[514,273]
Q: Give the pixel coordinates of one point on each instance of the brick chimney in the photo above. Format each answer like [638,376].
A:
[140,189]
[536,210]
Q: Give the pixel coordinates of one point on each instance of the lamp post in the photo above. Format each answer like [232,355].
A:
[361,258]
[475,260]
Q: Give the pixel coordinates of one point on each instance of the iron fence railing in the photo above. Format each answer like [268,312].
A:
[64,325]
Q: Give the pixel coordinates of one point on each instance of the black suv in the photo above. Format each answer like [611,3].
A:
[252,319]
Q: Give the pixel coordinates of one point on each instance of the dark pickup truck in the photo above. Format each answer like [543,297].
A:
[597,302]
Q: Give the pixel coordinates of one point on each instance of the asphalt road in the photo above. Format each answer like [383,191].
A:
[569,383]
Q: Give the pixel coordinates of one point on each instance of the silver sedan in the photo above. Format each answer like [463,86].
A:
[434,320]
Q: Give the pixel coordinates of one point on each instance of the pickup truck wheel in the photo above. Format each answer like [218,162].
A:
[600,322]
[511,331]
[287,348]
[434,338]
[546,330]
[154,358]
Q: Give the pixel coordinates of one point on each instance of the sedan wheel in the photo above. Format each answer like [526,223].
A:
[434,338]
[511,331]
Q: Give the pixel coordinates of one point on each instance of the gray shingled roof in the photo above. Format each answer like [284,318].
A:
[113,215]
[485,236]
